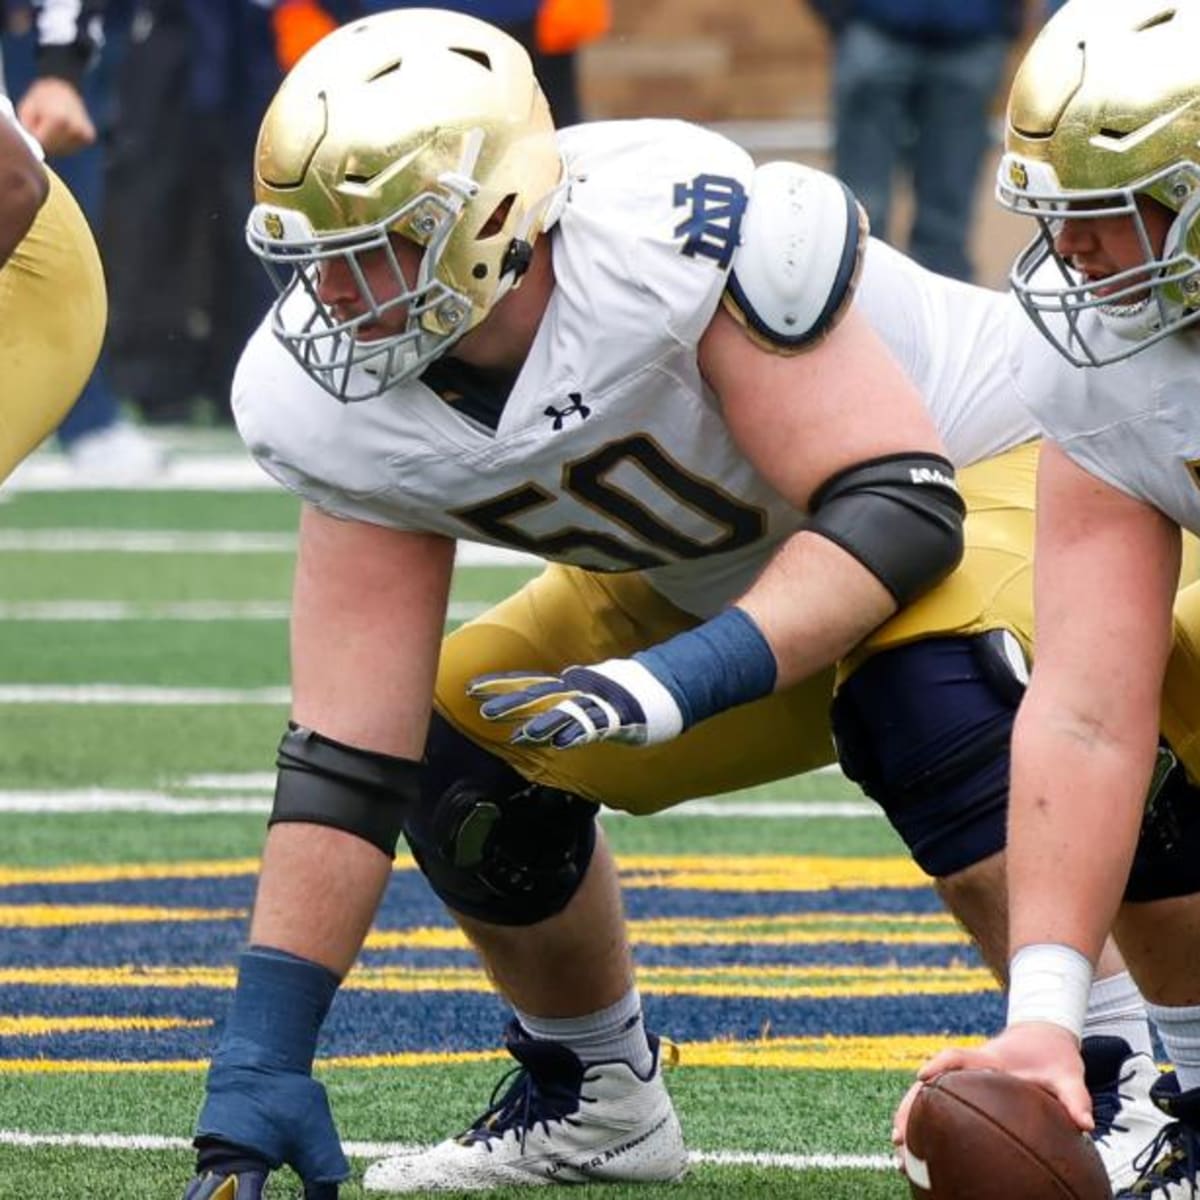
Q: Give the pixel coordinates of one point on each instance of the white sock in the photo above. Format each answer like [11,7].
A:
[616,1033]
[1116,1009]
[1179,1029]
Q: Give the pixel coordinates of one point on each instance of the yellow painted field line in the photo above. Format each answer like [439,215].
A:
[721,873]
[48,1026]
[779,981]
[47,916]
[898,1053]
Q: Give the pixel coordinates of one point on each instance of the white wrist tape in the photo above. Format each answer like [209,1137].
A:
[664,721]
[1049,982]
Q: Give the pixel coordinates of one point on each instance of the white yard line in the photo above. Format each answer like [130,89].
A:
[770,810]
[194,473]
[115,693]
[185,610]
[720,1158]
[144,541]
[191,541]
[104,800]
[256,799]
[243,781]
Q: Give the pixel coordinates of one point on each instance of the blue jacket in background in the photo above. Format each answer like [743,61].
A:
[498,12]
[932,21]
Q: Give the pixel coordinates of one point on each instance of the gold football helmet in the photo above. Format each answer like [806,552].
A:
[1105,107]
[421,123]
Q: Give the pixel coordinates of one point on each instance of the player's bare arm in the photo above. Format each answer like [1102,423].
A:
[840,432]
[1086,734]
[1083,751]
[23,189]
[802,420]
[366,595]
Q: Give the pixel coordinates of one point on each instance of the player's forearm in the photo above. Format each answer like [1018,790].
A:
[1075,810]
[814,603]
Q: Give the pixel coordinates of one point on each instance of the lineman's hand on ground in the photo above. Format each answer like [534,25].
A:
[246,1185]
[619,701]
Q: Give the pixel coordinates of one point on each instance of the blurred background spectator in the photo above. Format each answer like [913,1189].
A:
[551,30]
[914,85]
[59,72]
[195,78]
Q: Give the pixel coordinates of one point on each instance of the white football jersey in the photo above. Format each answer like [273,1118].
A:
[610,452]
[8,114]
[1134,423]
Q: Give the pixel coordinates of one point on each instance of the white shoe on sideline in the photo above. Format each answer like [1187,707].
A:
[120,451]
[559,1122]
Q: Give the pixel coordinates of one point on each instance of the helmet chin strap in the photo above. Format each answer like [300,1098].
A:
[519,254]
[1134,321]
[516,262]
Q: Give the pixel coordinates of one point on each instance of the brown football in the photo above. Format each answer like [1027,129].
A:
[985,1135]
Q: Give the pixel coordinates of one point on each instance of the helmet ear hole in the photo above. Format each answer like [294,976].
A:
[498,218]
[474,55]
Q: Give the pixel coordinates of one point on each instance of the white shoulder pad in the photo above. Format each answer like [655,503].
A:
[794,272]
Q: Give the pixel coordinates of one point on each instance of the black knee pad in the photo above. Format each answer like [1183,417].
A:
[924,729]
[1167,862]
[493,845]
[326,782]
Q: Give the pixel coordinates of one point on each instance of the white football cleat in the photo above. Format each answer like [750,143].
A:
[1127,1120]
[1169,1168]
[558,1122]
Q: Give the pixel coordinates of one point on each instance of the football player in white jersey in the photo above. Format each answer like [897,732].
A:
[1103,151]
[735,482]
[53,305]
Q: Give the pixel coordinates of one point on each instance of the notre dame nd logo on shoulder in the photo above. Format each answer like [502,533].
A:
[713,225]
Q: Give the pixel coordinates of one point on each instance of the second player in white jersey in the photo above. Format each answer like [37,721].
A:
[1135,423]
[1101,151]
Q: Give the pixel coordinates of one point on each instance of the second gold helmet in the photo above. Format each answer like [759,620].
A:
[1104,109]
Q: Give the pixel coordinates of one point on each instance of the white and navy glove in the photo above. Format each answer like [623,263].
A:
[619,700]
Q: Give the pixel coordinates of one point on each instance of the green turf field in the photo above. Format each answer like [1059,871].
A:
[785,943]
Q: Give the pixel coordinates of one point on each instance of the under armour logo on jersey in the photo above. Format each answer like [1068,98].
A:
[561,414]
[714,226]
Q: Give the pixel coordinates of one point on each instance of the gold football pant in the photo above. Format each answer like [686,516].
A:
[53,309]
[567,616]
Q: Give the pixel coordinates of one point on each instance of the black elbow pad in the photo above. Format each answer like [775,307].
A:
[901,516]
